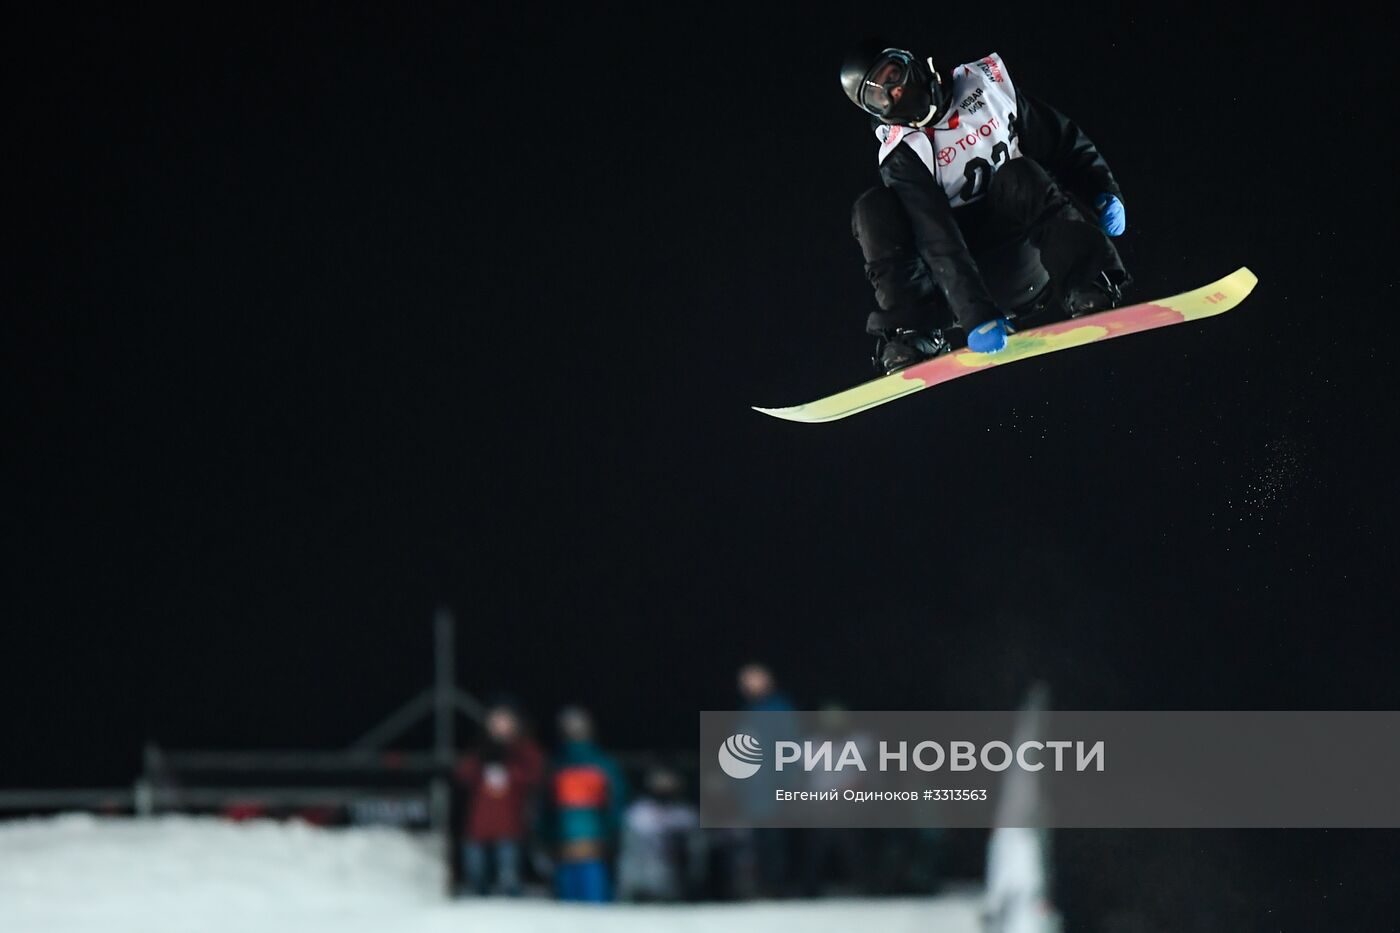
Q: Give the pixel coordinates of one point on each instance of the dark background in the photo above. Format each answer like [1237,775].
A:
[317,318]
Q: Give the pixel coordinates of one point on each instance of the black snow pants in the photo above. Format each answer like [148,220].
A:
[1029,240]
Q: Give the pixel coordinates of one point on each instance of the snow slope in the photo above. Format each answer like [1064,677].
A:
[178,874]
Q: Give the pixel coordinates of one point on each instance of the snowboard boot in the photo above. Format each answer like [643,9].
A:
[901,348]
[1098,294]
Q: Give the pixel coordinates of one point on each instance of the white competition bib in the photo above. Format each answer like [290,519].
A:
[974,139]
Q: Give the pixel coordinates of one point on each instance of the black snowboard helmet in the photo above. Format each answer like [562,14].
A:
[892,84]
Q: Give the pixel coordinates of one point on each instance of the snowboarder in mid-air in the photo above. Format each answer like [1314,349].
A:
[981,218]
[995,209]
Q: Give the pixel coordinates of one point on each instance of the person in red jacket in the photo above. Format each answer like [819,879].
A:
[501,778]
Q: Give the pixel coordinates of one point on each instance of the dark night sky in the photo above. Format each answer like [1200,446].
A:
[319,319]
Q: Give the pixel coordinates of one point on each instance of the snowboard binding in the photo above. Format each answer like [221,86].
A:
[902,347]
[1101,293]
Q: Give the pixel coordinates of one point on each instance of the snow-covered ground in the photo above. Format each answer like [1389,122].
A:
[198,875]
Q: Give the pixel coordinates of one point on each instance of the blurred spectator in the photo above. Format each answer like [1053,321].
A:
[760,691]
[662,850]
[500,779]
[728,872]
[835,856]
[767,849]
[586,797]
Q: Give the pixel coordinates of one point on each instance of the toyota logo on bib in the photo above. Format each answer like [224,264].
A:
[946,156]
[740,756]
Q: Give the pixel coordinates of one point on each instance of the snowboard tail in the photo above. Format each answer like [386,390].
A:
[1209,300]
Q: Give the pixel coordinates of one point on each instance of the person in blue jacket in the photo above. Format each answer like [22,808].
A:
[586,795]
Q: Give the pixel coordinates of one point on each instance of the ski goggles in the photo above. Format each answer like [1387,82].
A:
[891,71]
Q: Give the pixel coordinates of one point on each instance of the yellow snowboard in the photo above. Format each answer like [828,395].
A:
[1215,298]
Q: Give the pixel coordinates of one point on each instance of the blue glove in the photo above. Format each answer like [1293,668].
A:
[989,337]
[1112,217]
